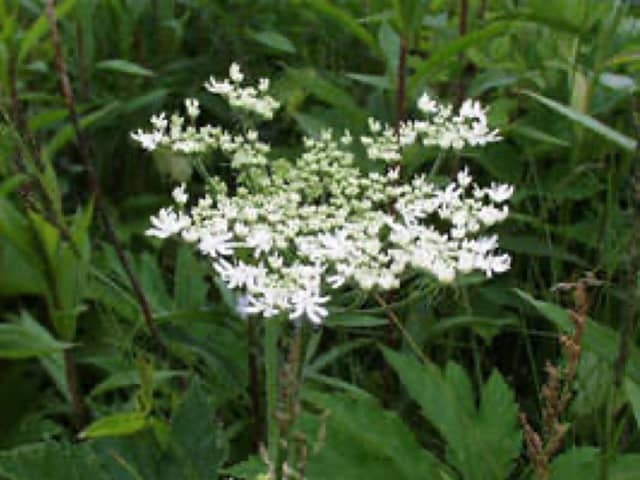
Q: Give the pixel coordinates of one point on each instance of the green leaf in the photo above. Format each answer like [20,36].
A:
[625,467]
[444,55]
[354,320]
[40,27]
[486,327]
[53,461]
[26,339]
[65,134]
[346,20]
[131,378]
[190,287]
[482,441]
[274,40]
[200,443]
[327,91]
[119,65]
[632,390]
[597,338]
[389,42]
[327,358]
[378,81]
[365,441]
[116,425]
[581,462]
[586,121]
[251,468]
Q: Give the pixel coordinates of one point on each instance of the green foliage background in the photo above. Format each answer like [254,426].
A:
[86,391]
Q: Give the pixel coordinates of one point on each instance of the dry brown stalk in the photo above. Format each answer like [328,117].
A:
[558,390]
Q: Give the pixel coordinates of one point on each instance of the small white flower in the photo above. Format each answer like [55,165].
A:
[215,245]
[167,223]
[180,195]
[426,104]
[500,192]
[193,107]
[235,74]
[149,141]
[464,179]
[309,304]
[263,85]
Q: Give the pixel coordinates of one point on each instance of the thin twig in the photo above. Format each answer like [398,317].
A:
[394,318]
[94,185]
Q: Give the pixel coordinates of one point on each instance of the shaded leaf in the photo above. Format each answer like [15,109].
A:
[586,121]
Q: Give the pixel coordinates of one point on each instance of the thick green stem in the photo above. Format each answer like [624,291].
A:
[271,337]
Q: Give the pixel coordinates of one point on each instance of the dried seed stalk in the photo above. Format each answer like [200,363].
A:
[558,390]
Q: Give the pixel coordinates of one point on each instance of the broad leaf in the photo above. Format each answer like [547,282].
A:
[116,425]
[482,441]
[364,441]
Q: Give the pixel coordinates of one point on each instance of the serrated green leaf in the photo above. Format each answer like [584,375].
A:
[53,461]
[201,445]
[483,441]
[365,441]
[26,338]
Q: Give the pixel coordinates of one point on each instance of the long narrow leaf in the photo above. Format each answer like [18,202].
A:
[586,121]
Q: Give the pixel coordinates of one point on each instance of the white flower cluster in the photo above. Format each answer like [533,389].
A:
[252,99]
[294,230]
[442,129]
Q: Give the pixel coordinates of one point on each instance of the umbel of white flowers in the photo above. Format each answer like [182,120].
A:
[297,229]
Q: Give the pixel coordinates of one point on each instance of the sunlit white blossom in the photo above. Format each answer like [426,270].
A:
[296,230]
[167,223]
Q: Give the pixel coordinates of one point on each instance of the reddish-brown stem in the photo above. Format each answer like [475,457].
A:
[401,79]
[94,185]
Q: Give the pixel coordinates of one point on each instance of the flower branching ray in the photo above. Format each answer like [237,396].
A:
[296,230]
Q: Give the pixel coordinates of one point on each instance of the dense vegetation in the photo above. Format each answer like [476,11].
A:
[123,357]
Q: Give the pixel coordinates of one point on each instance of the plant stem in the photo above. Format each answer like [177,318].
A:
[401,87]
[272,330]
[462,31]
[77,404]
[83,148]
[394,318]
[254,382]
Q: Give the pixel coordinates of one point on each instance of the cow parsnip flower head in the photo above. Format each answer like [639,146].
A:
[297,230]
